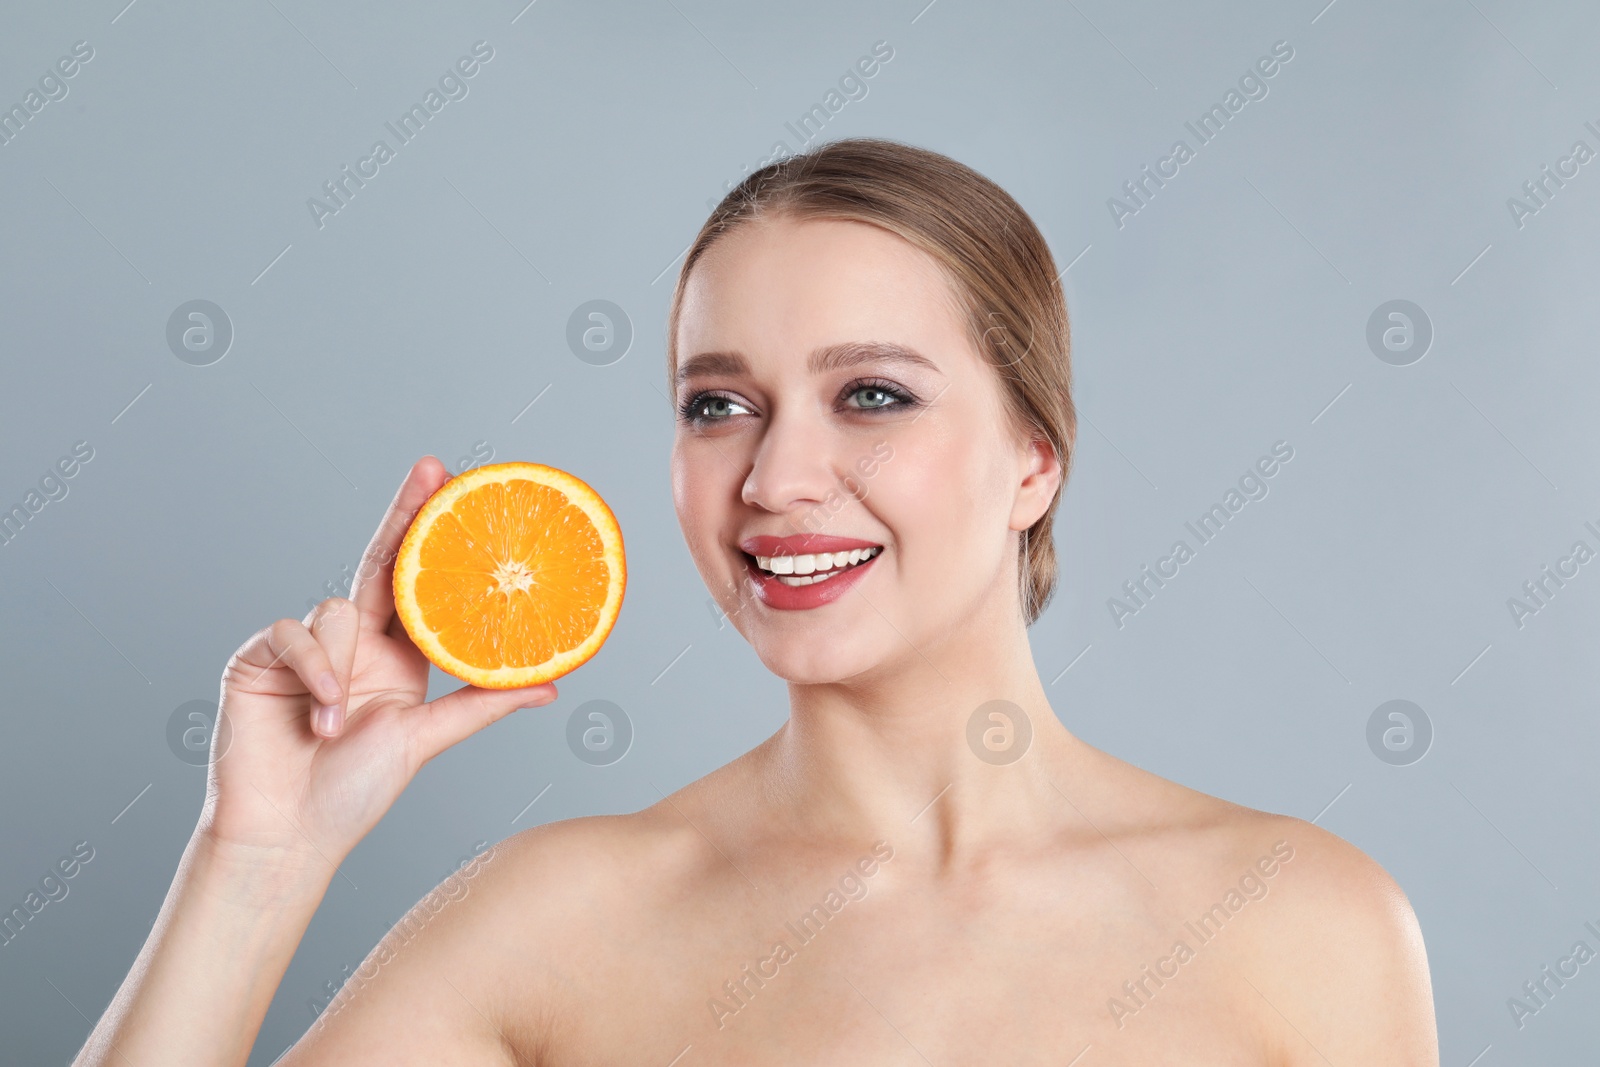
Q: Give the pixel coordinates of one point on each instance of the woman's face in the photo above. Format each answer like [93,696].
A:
[835,404]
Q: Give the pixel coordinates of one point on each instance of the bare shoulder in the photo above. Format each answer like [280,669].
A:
[1330,955]
[592,858]
[1204,841]
[1322,943]
[1338,954]
[477,970]
[1333,895]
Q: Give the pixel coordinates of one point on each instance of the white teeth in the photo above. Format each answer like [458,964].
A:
[815,567]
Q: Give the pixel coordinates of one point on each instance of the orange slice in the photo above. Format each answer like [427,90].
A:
[510,575]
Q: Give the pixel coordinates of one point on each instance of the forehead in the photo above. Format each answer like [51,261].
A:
[782,287]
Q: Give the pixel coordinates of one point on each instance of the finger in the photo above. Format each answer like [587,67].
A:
[373,589]
[336,628]
[274,655]
[457,716]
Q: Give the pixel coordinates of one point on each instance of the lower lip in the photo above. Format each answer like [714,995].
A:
[775,594]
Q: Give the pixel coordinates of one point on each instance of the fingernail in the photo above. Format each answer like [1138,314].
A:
[329,686]
[327,719]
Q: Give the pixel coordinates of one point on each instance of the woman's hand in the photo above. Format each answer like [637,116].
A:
[323,721]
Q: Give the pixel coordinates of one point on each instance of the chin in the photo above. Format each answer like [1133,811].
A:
[817,667]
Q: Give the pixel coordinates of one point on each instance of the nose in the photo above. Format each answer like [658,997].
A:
[792,471]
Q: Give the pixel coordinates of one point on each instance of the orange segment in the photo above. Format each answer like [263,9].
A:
[511,575]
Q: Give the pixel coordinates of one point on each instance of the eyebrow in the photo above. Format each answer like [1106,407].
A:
[827,358]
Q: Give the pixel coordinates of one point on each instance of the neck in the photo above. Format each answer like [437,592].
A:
[895,753]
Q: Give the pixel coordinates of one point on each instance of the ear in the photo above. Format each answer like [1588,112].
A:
[1041,476]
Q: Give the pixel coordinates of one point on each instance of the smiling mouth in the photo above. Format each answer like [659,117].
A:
[813,568]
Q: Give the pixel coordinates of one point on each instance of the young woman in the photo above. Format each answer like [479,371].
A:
[868,352]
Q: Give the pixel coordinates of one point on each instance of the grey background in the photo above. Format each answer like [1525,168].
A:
[1228,314]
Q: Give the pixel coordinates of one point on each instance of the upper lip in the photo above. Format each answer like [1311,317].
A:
[802,544]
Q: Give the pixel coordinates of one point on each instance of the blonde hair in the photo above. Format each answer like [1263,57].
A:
[994,256]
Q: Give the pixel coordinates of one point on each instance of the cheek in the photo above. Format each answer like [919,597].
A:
[941,498]
[700,490]
[681,484]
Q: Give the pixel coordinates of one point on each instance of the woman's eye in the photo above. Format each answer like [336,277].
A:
[874,396]
[704,408]
[713,408]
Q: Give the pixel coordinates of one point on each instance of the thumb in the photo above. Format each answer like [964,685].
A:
[456,716]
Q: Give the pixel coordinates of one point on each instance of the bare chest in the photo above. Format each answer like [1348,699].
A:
[1022,978]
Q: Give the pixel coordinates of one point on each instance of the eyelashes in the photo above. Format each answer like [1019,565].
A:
[692,410]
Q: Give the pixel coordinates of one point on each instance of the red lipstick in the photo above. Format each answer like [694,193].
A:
[801,544]
[778,594]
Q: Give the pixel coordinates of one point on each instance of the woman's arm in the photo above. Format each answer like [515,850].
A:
[468,975]
[201,984]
